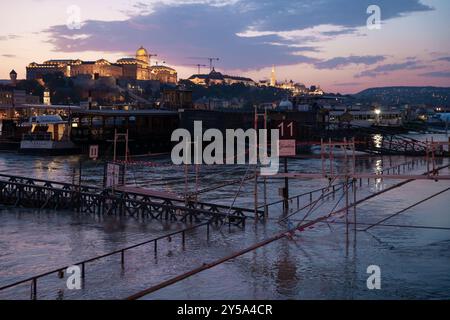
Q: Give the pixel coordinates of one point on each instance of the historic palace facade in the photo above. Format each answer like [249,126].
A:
[138,68]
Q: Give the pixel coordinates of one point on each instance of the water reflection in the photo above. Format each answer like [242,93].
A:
[286,270]
[378,140]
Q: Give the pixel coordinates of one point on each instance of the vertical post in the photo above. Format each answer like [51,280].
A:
[196,145]
[345,156]
[256,165]
[256,194]
[115,145]
[433,159]
[286,187]
[183,238]
[156,247]
[266,209]
[83,269]
[186,184]
[322,156]
[427,156]
[126,147]
[122,257]
[73,188]
[79,185]
[354,156]
[331,157]
[196,184]
[346,207]
[34,289]
[79,173]
[126,159]
[354,205]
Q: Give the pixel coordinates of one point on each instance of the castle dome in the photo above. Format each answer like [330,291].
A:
[142,55]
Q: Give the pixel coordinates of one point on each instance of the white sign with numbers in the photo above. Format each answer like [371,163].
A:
[287,148]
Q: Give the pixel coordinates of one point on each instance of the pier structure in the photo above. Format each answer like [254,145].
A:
[122,201]
[345,182]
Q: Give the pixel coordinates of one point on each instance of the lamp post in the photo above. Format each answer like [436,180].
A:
[377,116]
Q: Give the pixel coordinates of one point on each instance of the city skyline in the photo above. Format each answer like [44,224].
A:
[317,43]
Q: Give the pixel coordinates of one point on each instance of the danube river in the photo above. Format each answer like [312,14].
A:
[318,264]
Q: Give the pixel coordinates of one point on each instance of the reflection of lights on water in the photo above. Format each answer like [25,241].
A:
[378,166]
[378,182]
[378,140]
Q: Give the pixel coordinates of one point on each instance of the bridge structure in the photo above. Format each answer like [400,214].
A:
[378,141]
[124,201]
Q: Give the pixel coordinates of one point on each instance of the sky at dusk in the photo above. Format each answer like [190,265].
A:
[315,42]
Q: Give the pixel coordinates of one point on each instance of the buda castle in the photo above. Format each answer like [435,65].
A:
[137,68]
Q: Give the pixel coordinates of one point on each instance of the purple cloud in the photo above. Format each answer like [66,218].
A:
[447,59]
[436,74]
[339,62]
[183,30]
[388,68]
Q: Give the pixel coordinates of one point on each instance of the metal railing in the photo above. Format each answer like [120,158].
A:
[60,271]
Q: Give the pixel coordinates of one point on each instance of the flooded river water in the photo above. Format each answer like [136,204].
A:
[318,264]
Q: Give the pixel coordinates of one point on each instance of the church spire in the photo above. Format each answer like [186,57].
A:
[273,80]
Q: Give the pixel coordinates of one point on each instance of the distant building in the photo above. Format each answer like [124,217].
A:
[264,83]
[205,103]
[273,78]
[164,74]
[217,78]
[13,77]
[11,97]
[136,68]
[47,100]
[295,88]
[99,68]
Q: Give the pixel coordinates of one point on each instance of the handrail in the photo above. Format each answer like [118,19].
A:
[121,251]
[49,181]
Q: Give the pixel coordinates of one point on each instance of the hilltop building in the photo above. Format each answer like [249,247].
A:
[295,88]
[136,68]
[217,78]
[273,79]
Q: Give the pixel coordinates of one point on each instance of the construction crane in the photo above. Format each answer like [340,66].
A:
[207,58]
[198,65]
[150,55]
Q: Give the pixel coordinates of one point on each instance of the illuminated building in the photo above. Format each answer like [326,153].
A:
[136,68]
[273,79]
[99,68]
[38,70]
[217,78]
[47,99]
[163,74]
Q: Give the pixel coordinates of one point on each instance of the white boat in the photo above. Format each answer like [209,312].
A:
[365,119]
[48,134]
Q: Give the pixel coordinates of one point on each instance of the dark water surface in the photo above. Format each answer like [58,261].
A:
[414,262]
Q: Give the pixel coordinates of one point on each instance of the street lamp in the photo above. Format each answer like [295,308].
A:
[377,116]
